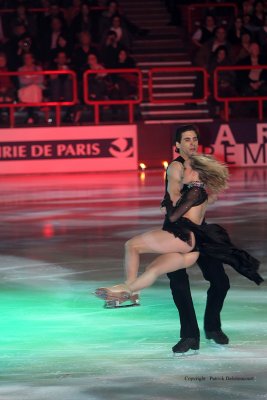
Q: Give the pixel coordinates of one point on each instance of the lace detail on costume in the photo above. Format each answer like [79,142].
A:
[195,184]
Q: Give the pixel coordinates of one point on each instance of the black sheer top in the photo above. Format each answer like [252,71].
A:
[193,195]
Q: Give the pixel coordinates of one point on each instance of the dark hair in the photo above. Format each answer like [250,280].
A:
[111,33]
[185,128]
[219,48]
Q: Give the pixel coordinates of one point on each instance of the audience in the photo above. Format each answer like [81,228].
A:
[69,35]
[30,86]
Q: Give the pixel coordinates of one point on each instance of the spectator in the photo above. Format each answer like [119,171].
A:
[54,11]
[82,22]
[31,85]
[107,15]
[247,7]
[63,45]
[258,14]
[7,89]
[123,38]
[97,83]
[21,43]
[73,10]
[110,50]
[114,10]
[242,50]
[253,82]
[51,40]
[4,31]
[127,82]
[235,32]
[22,17]
[61,86]
[262,36]
[248,24]
[226,79]
[206,52]
[81,53]
[205,32]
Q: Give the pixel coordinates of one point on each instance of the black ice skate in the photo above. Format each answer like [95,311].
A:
[186,347]
[217,337]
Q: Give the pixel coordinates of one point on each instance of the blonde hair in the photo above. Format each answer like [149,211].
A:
[213,173]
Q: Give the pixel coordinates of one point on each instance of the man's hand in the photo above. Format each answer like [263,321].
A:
[163,210]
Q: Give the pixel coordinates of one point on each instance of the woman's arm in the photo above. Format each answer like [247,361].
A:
[190,198]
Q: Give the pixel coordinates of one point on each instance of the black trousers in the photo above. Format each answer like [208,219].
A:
[213,272]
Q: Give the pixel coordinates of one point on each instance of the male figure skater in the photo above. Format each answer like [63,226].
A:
[213,271]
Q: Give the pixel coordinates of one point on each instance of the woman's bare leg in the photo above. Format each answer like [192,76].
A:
[161,265]
[157,241]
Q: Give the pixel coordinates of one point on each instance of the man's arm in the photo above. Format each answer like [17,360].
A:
[175,173]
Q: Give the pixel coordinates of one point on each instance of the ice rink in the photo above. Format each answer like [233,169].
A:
[62,236]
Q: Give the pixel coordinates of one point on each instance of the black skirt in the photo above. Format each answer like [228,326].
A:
[213,240]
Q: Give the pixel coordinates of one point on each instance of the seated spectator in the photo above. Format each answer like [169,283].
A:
[82,22]
[73,10]
[31,85]
[114,9]
[97,83]
[63,44]
[123,38]
[226,79]
[262,36]
[107,15]
[206,52]
[235,32]
[4,31]
[110,50]
[253,82]
[127,82]
[242,51]
[247,7]
[7,88]
[21,16]
[258,14]
[21,43]
[51,40]
[81,53]
[45,20]
[248,24]
[61,86]
[204,32]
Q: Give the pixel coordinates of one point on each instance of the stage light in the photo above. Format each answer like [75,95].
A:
[142,166]
[165,164]
[142,176]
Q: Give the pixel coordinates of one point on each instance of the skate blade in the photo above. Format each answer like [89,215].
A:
[188,353]
[117,304]
[212,343]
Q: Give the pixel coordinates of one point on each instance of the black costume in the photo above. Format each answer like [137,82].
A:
[213,271]
[211,239]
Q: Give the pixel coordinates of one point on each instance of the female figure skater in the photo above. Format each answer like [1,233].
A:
[183,236]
